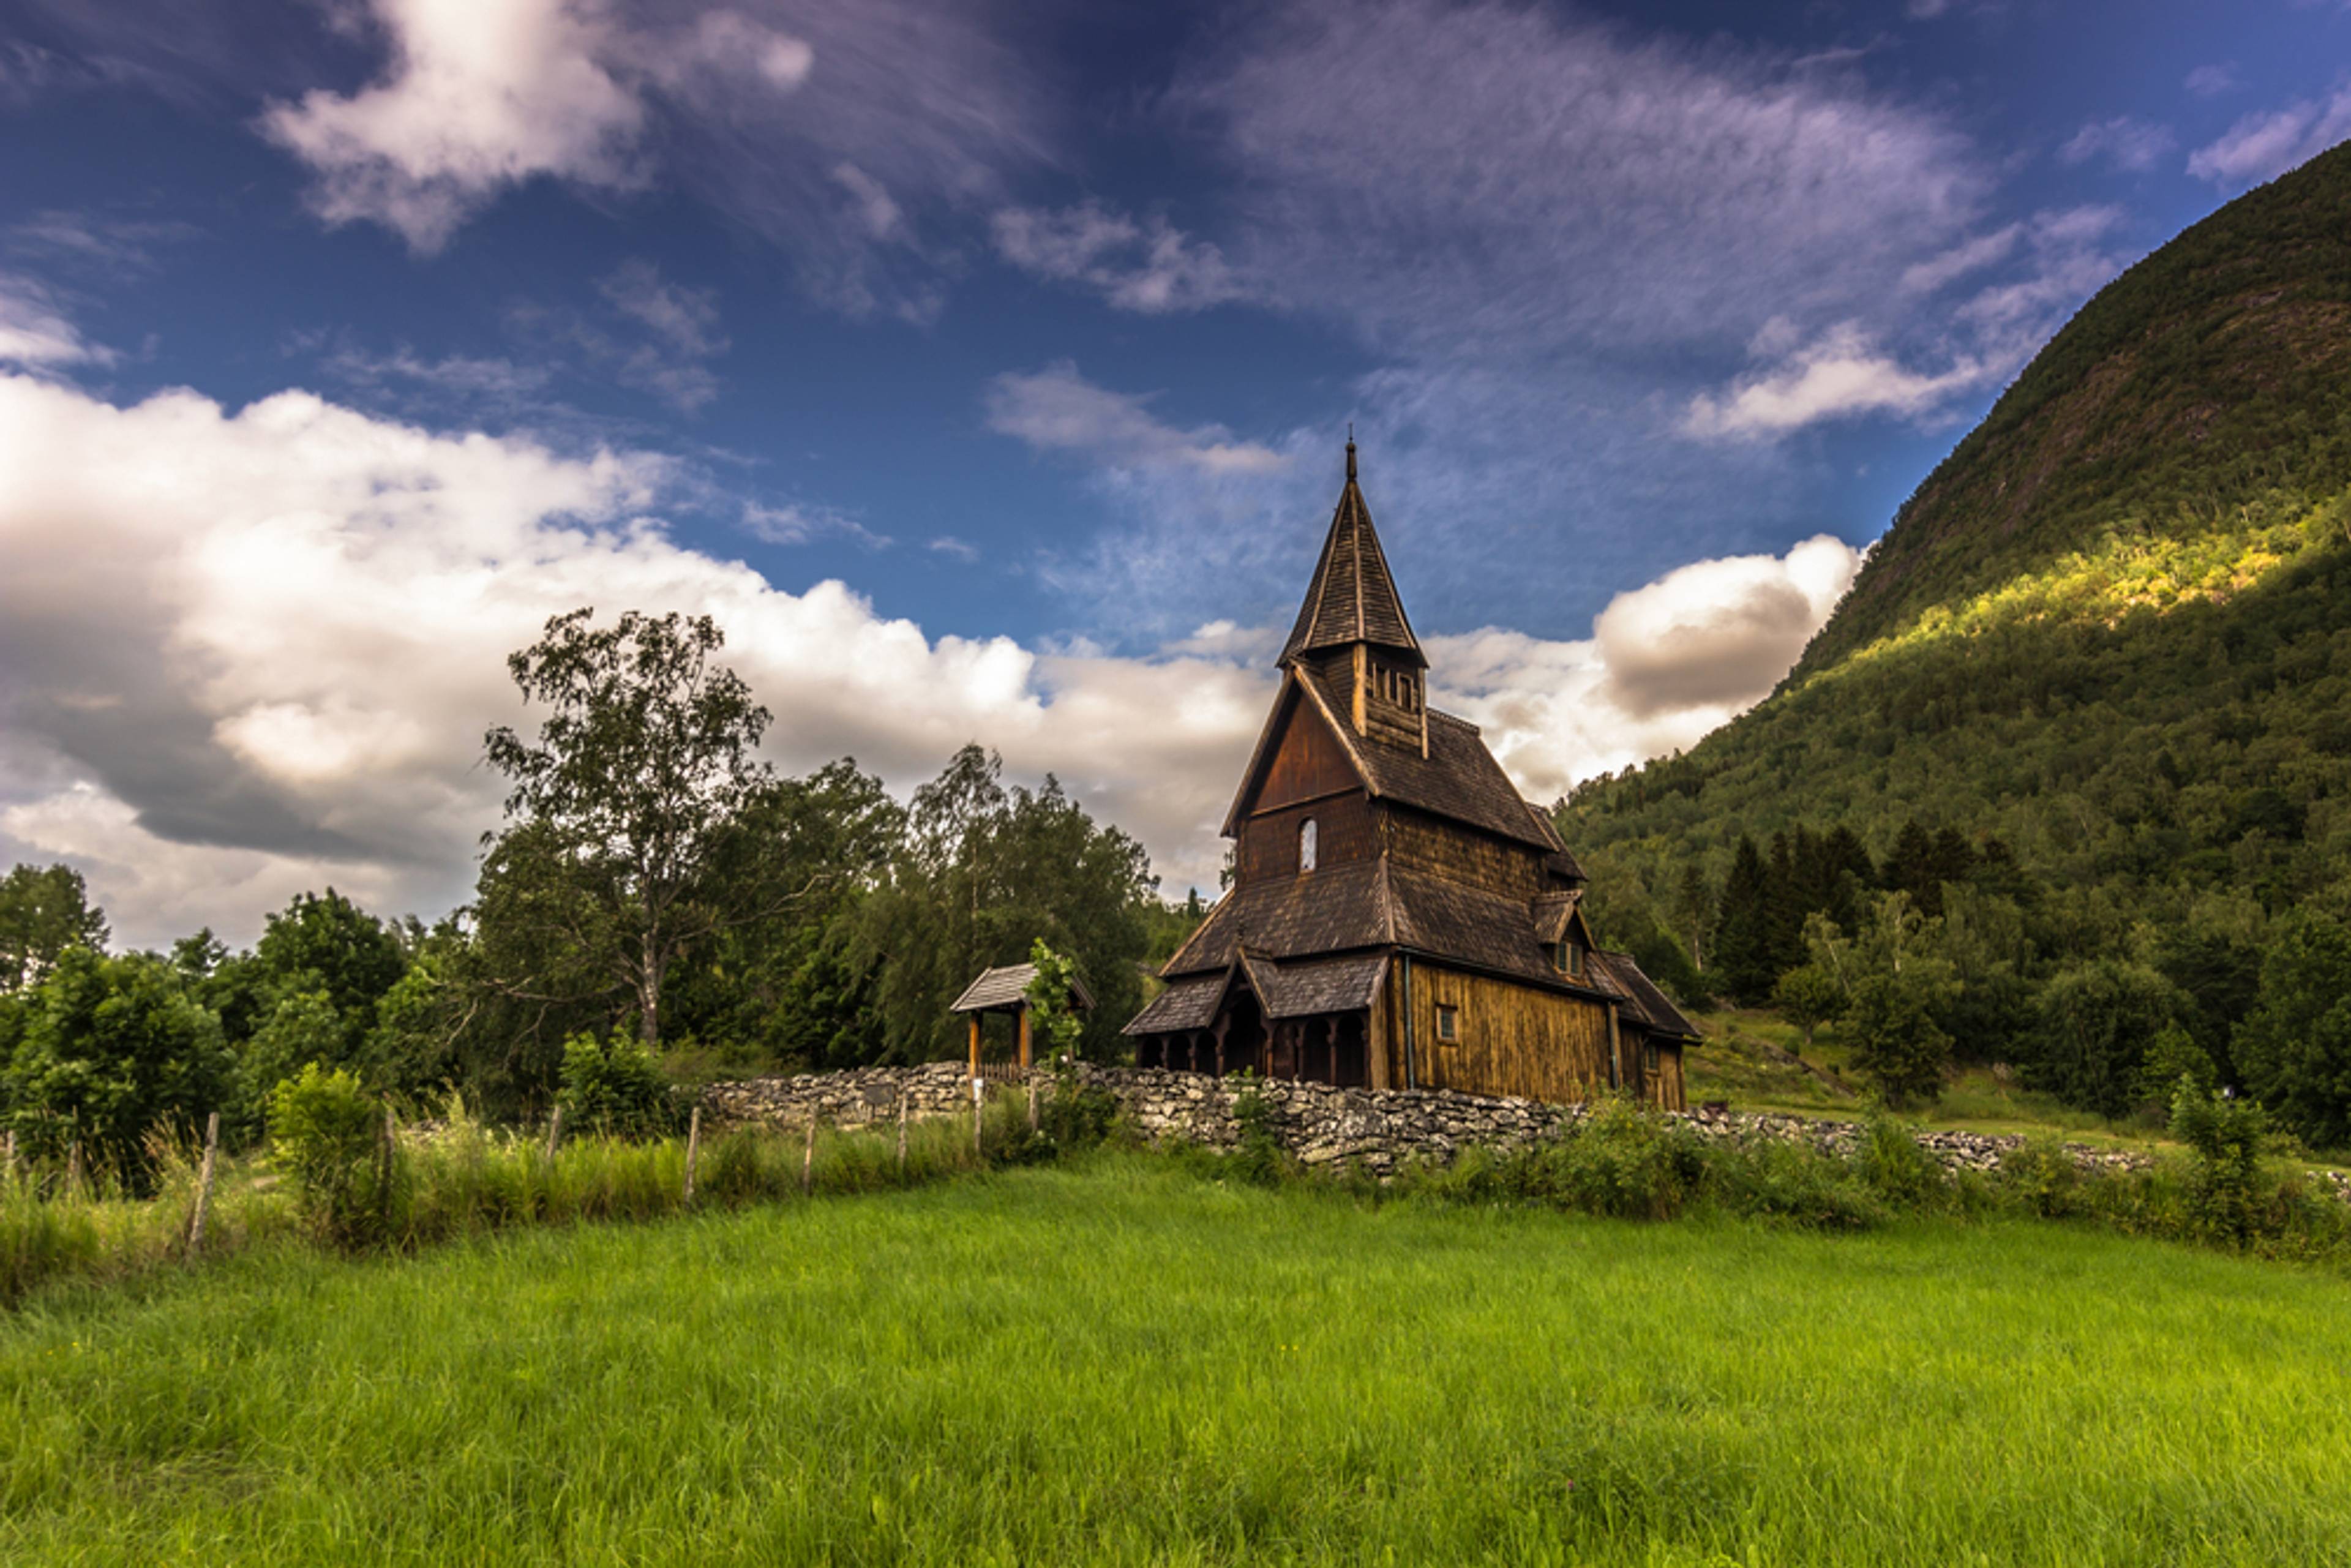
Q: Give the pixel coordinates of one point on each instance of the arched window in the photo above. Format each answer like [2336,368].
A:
[1307,835]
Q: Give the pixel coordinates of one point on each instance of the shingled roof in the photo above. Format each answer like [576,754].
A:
[1352,598]
[1648,1005]
[1372,903]
[1305,988]
[1006,988]
[1458,779]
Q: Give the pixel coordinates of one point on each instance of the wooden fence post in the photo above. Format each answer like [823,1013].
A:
[693,1149]
[73,1167]
[204,1183]
[902,1132]
[383,1159]
[554,1131]
[9,1145]
[807,1157]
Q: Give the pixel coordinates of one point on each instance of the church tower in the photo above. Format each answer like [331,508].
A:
[1351,631]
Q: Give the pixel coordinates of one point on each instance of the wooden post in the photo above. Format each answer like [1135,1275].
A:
[8,1144]
[73,1167]
[554,1131]
[807,1157]
[383,1160]
[1024,1040]
[692,1150]
[902,1131]
[975,1044]
[203,1183]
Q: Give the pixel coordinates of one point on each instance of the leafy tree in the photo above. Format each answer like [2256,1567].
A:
[625,808]
[43,912]
[2294,1047]
[2225,1137]
[1056,1025]
[1896,1044]
[108,1049]
[325,942]
[303,1028]
[1808,996]
[2096,1020]
[615,1086]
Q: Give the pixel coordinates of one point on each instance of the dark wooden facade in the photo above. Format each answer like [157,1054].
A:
[1399,916]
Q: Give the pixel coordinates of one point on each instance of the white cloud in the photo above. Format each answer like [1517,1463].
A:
[2134,145]
[2265,144]
[1665,664]
[795,523]
[830,128]
[2212,81]
[35,332]
[1840,374]
[475,98]
[1148,267]
[1057,410]
[243,653]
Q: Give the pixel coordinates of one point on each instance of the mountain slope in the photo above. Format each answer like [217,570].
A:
[2111,628]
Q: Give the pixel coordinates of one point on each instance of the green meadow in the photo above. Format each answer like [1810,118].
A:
[1122,1360]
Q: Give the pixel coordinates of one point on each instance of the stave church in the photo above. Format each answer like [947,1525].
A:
[1399,916]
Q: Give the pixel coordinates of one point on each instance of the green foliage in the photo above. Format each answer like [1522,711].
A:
[2108,629]
[331,1138]
[2174,1057]
[303,1028]
[108,1052]
[1899,1170]
[1054,1021]
[326,944]
[1747,956]
[1895,1041]
[2225,1136]
[2294,1047]
[1808,996]
[2097,1022]
[615,1086]
[631,802]
[1258,1158]
[43,912]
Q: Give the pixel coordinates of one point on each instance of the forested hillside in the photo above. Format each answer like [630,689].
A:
[2107,642]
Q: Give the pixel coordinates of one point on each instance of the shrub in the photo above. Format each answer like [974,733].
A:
[2224,1135]
[615,1086]
[1629,1162]
[335,1144]
[1894,1168]
[1259,1158]
[2042,1177]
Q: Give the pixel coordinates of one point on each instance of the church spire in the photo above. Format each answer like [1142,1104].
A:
[1351,598]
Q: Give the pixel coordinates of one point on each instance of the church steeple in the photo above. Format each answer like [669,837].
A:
[1351,598]
[1352,635]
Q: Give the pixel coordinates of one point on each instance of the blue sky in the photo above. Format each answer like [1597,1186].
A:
[986,367]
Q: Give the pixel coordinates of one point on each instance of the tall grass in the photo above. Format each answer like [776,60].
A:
[467,1179]
[1119,1363]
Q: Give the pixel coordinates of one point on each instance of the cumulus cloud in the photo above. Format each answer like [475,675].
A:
[246,653]
[1665,664]
[1057,410]
[2265,144]
[1145,266]
[2129,144]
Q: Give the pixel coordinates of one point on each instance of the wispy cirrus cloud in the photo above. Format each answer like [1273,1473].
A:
[2126,143]
[1059,410]
[35,332]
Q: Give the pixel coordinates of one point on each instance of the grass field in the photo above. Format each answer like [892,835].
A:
[1123,1362]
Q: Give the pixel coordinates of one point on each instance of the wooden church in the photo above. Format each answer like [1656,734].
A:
[1399,916]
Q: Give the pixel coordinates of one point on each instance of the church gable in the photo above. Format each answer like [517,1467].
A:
[1299,757]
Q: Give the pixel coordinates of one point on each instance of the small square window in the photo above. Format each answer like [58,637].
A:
[1448,1023]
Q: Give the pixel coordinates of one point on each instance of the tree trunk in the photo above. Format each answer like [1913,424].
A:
[649,985]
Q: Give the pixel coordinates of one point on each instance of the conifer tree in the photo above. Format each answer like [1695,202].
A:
[1743,938]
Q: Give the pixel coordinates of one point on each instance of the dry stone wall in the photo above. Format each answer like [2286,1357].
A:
[1378,1128]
